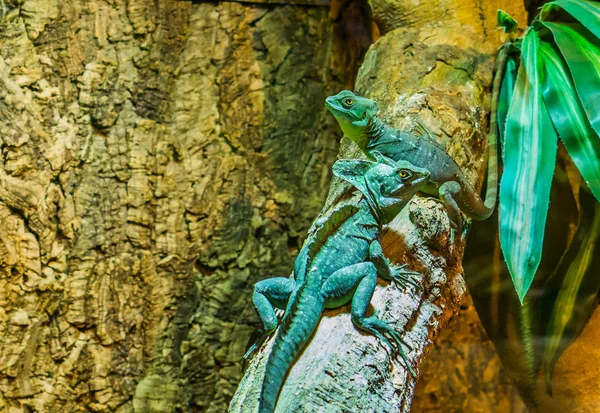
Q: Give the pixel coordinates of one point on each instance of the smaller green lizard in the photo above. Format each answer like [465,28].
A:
[357,116]
[339,263]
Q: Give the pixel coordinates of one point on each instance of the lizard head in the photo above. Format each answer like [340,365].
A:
[352,112]
[387,185]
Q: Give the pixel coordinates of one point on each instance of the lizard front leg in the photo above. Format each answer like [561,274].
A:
[399,275]
[361,280]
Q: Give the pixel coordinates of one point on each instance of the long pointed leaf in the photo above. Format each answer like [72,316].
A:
[529,158]
[579,288]
[587,12]
[569,118]
[506,93]
[582,55]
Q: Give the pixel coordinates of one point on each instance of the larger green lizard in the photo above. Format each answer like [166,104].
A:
[357,116]
[339,262]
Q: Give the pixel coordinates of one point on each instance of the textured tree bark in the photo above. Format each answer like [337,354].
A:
[158,158]
[436,65]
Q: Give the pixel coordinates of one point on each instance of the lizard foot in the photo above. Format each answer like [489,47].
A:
[454,229]
[401,277]
[379,329]
[257,339]
[466,228]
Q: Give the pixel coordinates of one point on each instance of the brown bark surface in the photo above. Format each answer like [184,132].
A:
[463,373]
[436,66]
[158,158]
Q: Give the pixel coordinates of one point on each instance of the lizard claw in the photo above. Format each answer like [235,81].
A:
[399,343]
[379,329]
[466,228]
[462,234]
[257,339]
[401,277]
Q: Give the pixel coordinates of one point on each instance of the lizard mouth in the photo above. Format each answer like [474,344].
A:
[421,179]
[395,192]
[414,182]
[329,103]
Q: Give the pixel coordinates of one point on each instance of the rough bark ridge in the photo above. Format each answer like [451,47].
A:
[438,69]
[149,149]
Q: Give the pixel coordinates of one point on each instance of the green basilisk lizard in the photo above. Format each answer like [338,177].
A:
[338,263]
[357,116]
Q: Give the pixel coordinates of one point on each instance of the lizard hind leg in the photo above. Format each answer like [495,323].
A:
[268,295]
[361,280]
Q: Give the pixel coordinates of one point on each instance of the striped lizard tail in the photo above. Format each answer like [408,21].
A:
[491,193]
[297,326]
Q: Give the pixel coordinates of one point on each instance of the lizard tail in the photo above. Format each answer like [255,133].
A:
[491,193]
[298,324]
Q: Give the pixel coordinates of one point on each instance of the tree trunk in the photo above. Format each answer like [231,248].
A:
[158,158]
[434,62]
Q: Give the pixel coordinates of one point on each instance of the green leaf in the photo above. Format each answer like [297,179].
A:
[579,286]
[569,118]
[529,158]
[506,92]
[586,12]
[507,22]
[583,58]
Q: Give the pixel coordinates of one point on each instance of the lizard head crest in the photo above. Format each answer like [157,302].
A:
[387,185]
[352,112]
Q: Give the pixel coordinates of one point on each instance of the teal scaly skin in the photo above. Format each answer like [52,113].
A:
[357,116]
[338,263]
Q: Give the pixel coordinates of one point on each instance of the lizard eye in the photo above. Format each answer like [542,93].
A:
[348,102]
[404,173]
